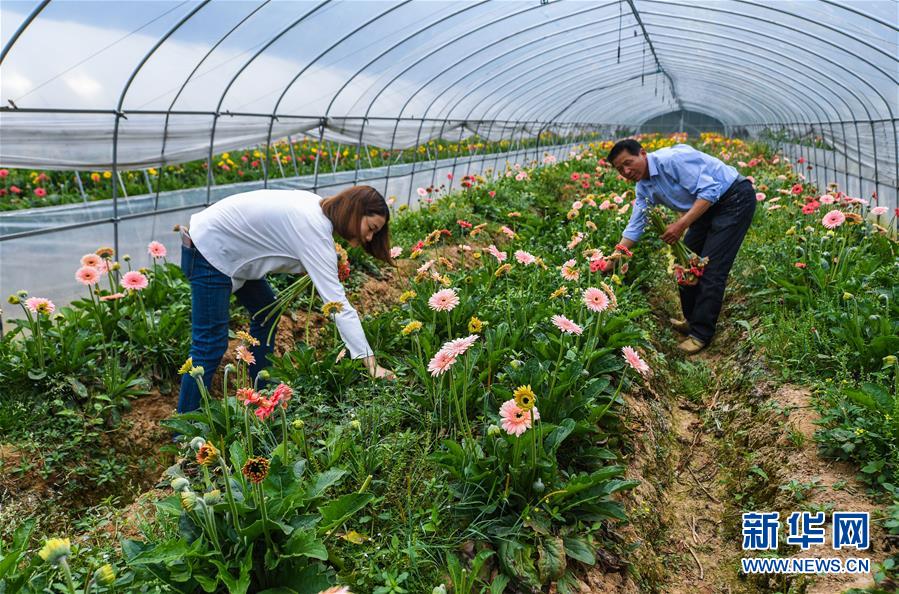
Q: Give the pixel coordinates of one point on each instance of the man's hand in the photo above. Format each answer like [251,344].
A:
[673,232]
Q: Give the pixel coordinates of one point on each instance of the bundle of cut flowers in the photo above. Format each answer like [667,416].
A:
[688,266]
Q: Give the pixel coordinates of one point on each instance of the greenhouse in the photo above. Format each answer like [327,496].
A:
[432,296]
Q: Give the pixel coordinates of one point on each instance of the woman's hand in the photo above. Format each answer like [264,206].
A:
[376,370]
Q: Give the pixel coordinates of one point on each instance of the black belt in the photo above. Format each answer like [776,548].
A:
[733,189]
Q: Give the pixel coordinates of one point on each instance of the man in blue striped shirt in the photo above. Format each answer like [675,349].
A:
[716,205]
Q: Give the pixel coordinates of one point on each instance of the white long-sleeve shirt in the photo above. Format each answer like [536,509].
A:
[248,235]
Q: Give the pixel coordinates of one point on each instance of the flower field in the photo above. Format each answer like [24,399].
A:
[20,188]
[543,433]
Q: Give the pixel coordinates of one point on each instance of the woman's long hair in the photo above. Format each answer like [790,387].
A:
[346,210]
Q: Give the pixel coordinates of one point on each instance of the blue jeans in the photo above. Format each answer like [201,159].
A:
[718,235]
[210,312]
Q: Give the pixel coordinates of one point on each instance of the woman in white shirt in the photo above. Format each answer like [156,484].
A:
[231,246]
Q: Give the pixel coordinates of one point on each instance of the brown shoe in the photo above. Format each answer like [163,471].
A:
[681,326]
[692,345]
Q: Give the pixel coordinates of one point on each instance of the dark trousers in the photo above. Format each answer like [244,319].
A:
[717,235]
[210,312]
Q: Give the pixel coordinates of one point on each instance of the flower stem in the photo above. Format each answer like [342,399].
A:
[67,573]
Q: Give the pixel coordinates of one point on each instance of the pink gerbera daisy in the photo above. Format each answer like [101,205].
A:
[879,211]
[441,362]
[507,231]
[760,196]
[634,360]
[606,205]
[827,199]
[90,260]
[569,271]
[282,395]
[516,421]
[87,275]
[595,299]
[458,346]
[112,297]
[566,325]
[40,305]
[578,237]
[443,300]
[244,355]
[524,257]
[156,249]
[135,281]
[833,219]
[395,251]
[494,251]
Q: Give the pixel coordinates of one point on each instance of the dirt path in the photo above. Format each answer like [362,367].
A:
[746,444]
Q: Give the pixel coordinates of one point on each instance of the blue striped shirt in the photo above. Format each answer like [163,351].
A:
[678,175]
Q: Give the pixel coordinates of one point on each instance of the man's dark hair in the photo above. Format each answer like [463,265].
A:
[628,144]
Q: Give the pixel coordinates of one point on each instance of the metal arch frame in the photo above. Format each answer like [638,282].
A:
[437,50]
[863,80]
[788,59]
[775,112]
[464,35]
[796,16]
[527,45]
[465,58]
[764,67]
[119,115]
[562,89]
[246,64]
[274,115]
[654,55]
[363,68]
[165,129]
[390,49]
[21,29]
[523,83]
[800,47]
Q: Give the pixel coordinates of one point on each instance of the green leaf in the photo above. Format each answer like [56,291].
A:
[551,560]
[165,552]
[323,481]
[303,543]
[558,435]
[516,559]
[242,583]
[578,549]
[337,511]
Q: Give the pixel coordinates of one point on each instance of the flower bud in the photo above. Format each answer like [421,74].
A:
[13,300]
[494,431]
[196,443]
[180,484]
[105,576]
[355,424]
[889,360]
[441,589]
[197,372]
[538,486]
[230,368]
[126,258]
[188,500]
[847,296]
[298,424]
[263,375]
[213,497]
[115,266]
[22,294]
[55,550]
